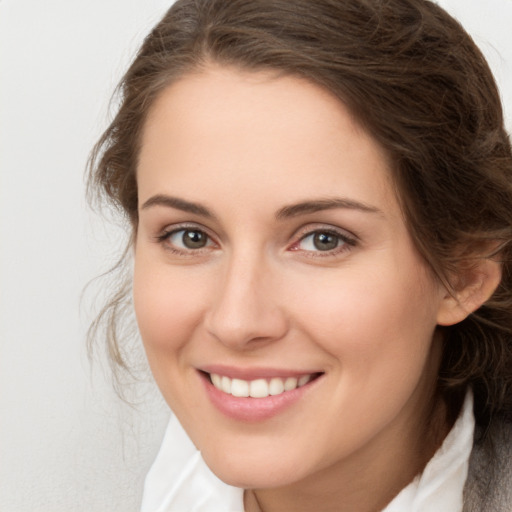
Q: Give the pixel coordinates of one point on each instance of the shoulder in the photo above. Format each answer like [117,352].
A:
[489,483]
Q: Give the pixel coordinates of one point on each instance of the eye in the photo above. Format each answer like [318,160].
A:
[320,241]
[186,239]
[326,241]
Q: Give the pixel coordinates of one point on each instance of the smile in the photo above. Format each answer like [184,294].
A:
[256,394]
[259,388]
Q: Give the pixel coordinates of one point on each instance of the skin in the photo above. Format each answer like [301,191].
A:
[245,146]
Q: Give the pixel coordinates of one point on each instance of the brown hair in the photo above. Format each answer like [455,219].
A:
[416,81]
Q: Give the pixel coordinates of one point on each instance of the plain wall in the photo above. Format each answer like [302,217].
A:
[66,441]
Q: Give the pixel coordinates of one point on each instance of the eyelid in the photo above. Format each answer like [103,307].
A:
[349,239]
[328,228]
[163,236]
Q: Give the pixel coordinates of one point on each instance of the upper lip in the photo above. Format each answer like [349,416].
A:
[253,373]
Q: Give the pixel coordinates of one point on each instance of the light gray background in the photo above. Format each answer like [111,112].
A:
[66,442]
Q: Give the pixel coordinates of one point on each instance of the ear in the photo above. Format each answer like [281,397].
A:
[472,287]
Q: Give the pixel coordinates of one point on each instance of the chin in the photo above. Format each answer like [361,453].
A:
[253,472]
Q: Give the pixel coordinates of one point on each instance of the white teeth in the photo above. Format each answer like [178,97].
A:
[259,388]
[276,386]
[225,385]
[239,387]
[290,383]
[217,380]
[304,380]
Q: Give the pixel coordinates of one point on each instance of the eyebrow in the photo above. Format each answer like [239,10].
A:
[324,204]
[178,204]
[286,212]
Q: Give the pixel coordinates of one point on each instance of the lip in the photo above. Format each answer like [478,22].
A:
[256,372]
[248,409]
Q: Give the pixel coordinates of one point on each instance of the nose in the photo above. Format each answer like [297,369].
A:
[246,312]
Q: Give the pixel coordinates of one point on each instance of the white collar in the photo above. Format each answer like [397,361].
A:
[441,484]
[180,481]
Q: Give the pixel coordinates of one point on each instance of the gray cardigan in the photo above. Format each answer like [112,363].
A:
[489,484]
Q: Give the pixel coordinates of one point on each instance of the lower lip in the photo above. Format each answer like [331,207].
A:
[254,409]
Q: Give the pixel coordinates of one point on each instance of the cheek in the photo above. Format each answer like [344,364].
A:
[372,322]
[168,306]
[379,339]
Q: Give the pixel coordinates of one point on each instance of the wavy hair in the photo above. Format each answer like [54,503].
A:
[416,81]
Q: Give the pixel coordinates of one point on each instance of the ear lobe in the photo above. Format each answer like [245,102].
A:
[473,287]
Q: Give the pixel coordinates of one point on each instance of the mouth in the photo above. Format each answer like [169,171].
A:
[259,388]
[258,397]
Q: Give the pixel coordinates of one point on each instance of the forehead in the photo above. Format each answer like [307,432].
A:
[248,130]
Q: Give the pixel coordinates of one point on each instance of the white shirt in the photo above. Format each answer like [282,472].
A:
[180,481]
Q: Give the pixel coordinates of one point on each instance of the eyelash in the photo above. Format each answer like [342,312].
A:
[344,241]
[165,236]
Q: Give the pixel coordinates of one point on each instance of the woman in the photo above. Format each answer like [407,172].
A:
[320,195]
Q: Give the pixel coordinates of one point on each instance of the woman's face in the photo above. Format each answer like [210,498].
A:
[272,258]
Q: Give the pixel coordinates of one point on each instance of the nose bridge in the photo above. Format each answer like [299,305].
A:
[246,307]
